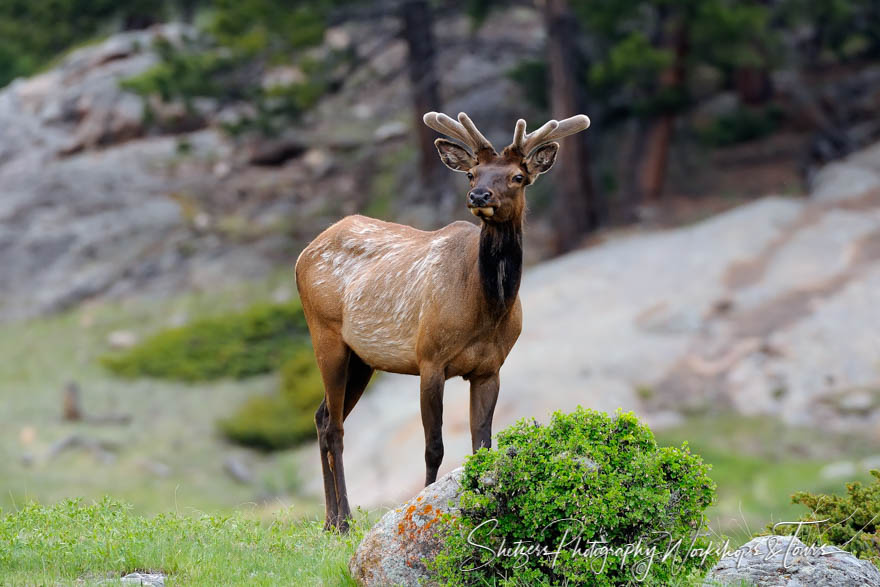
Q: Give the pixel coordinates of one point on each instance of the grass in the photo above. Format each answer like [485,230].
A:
[170,457]
[758,464]
[74,542]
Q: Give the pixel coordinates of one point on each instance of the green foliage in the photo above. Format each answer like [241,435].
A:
[261,340]
[238,345]
[729,35]
[584,477]
[73,543]
[850,522]
[240,42]
[33,33]
[842,30]
[186,74]
[745,124]
[283,420]
[531,75]
[632,61]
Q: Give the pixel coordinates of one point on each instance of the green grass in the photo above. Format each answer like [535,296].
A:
[758,464]
[172,423]
[73,542]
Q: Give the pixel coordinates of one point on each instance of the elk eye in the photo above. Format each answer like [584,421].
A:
[470,176]
[518,178]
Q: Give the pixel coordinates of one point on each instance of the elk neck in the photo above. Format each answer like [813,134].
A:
[500,264]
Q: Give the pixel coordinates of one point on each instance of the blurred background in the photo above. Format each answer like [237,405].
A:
[707,254]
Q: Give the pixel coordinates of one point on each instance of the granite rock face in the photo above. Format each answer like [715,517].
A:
[395,550]
[785,561]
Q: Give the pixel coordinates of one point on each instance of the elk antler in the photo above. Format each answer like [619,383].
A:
[550,131]
[462,130]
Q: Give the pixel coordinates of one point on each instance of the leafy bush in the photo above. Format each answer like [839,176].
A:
[585,477]
[742,125]
[238,345]
[278,421]
[853,520]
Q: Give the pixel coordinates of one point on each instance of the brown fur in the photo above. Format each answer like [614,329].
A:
[441,304]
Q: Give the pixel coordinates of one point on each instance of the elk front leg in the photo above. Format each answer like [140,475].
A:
[484,395]
[431,396]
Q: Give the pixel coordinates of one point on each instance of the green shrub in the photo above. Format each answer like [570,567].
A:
[586,476]
[253,342]
[741,126]
[285,419]
[853,520]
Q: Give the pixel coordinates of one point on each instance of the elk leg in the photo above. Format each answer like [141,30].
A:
[484,395]
[330,506]
[332,355]
[359,374]
[431,396]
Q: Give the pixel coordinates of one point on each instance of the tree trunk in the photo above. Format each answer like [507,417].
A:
[416,19]
[576,207]
[652,171]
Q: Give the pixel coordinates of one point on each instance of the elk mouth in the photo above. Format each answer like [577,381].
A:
[482,211]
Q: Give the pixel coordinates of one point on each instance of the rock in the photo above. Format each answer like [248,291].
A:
[238,470]
[122,339]
[146,579]
[318,161]
[785,561]
[390,130]
[155,468]
[843,181]
[395,550]
[839,470]
[27,435]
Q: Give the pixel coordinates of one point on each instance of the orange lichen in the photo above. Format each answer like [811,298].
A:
[413,528]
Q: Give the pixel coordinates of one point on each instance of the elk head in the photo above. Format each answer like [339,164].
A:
[498,182]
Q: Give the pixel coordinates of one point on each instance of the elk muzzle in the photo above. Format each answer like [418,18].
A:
[480,203]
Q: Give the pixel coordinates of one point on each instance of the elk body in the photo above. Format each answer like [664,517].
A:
[441,304]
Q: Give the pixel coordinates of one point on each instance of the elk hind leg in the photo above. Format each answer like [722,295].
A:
[330,502]
[359,374]
[332,355]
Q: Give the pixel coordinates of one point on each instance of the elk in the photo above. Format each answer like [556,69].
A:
[441,304]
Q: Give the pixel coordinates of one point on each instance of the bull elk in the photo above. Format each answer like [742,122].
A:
[439,304]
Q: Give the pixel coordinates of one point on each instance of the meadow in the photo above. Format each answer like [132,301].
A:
[154,495]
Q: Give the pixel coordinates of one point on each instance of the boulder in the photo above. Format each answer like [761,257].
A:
[843,180]
[395,550]
[785,561]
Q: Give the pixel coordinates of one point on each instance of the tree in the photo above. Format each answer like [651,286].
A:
[416,28]
[576,205]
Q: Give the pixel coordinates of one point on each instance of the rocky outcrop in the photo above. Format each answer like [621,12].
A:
[785,561]
[395,551]
[95,202]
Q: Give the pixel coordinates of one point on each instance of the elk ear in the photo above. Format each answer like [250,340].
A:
[454,156]
[542,159]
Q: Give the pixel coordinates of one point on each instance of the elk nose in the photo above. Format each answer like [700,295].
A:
[479,197]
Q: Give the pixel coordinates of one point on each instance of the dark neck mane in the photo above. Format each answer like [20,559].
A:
[500,264]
